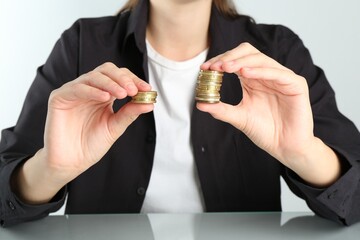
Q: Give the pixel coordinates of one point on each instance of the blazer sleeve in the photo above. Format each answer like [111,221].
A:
[340,201]
[22,141]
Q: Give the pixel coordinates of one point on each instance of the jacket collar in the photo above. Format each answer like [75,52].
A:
[137,24]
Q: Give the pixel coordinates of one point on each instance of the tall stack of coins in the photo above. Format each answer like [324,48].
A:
[208,86]
[145,97]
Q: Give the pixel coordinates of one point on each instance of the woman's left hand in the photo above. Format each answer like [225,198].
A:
[275,111]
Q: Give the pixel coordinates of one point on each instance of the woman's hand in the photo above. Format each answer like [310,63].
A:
[81,125]
[80,128]
[275,112]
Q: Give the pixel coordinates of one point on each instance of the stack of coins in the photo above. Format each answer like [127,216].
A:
[208,86]
[145,97]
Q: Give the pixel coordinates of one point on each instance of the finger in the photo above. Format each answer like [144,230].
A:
[86,92]
[256,60]
[103,82]
[284,81]
[60,97]
[233,115]
[242,50]
[124,77]
[125,116]
[267,73]
[252,60]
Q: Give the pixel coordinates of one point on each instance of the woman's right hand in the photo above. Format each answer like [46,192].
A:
[81,126]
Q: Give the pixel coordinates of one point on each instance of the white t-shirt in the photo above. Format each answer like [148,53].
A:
[174,185]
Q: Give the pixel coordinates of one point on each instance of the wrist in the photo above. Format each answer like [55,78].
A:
[36,183]
[316,164]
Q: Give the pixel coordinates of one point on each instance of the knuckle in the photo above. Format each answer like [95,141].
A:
[105,66]
[260,55]
[228,53]
[108,65]
[126,78]
[92,75]
[59,92]
[246,45]
[121,73]
[124,70]
[302,79]
[89,78]
[53,95]
[125,73]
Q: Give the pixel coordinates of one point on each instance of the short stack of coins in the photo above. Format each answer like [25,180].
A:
[208,86]
[145,97]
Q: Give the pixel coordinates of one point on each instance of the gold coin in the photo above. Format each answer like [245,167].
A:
[145,97]
[204,91]
[210,73]
[208,95]
[208,86]
[211,76]
[208,83]
[210,80]
[207,100]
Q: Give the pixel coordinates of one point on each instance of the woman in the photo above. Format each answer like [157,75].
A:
[79,133]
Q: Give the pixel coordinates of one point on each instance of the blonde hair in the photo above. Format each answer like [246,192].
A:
[226,7]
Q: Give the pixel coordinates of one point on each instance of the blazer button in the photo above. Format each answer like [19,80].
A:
[141,191]
[203,149]
[11,205]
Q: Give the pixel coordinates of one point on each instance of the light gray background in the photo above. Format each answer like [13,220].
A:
[329,28]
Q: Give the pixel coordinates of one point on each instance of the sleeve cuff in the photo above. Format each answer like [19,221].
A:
[12,209]
[337,199]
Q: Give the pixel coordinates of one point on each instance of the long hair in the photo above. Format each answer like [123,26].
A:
[226,7]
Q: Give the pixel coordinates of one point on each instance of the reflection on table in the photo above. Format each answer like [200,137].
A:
[182,226]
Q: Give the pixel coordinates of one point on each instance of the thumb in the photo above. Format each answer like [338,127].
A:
[233,115]
[125,116]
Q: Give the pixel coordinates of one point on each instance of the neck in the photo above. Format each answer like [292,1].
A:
[178,29]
